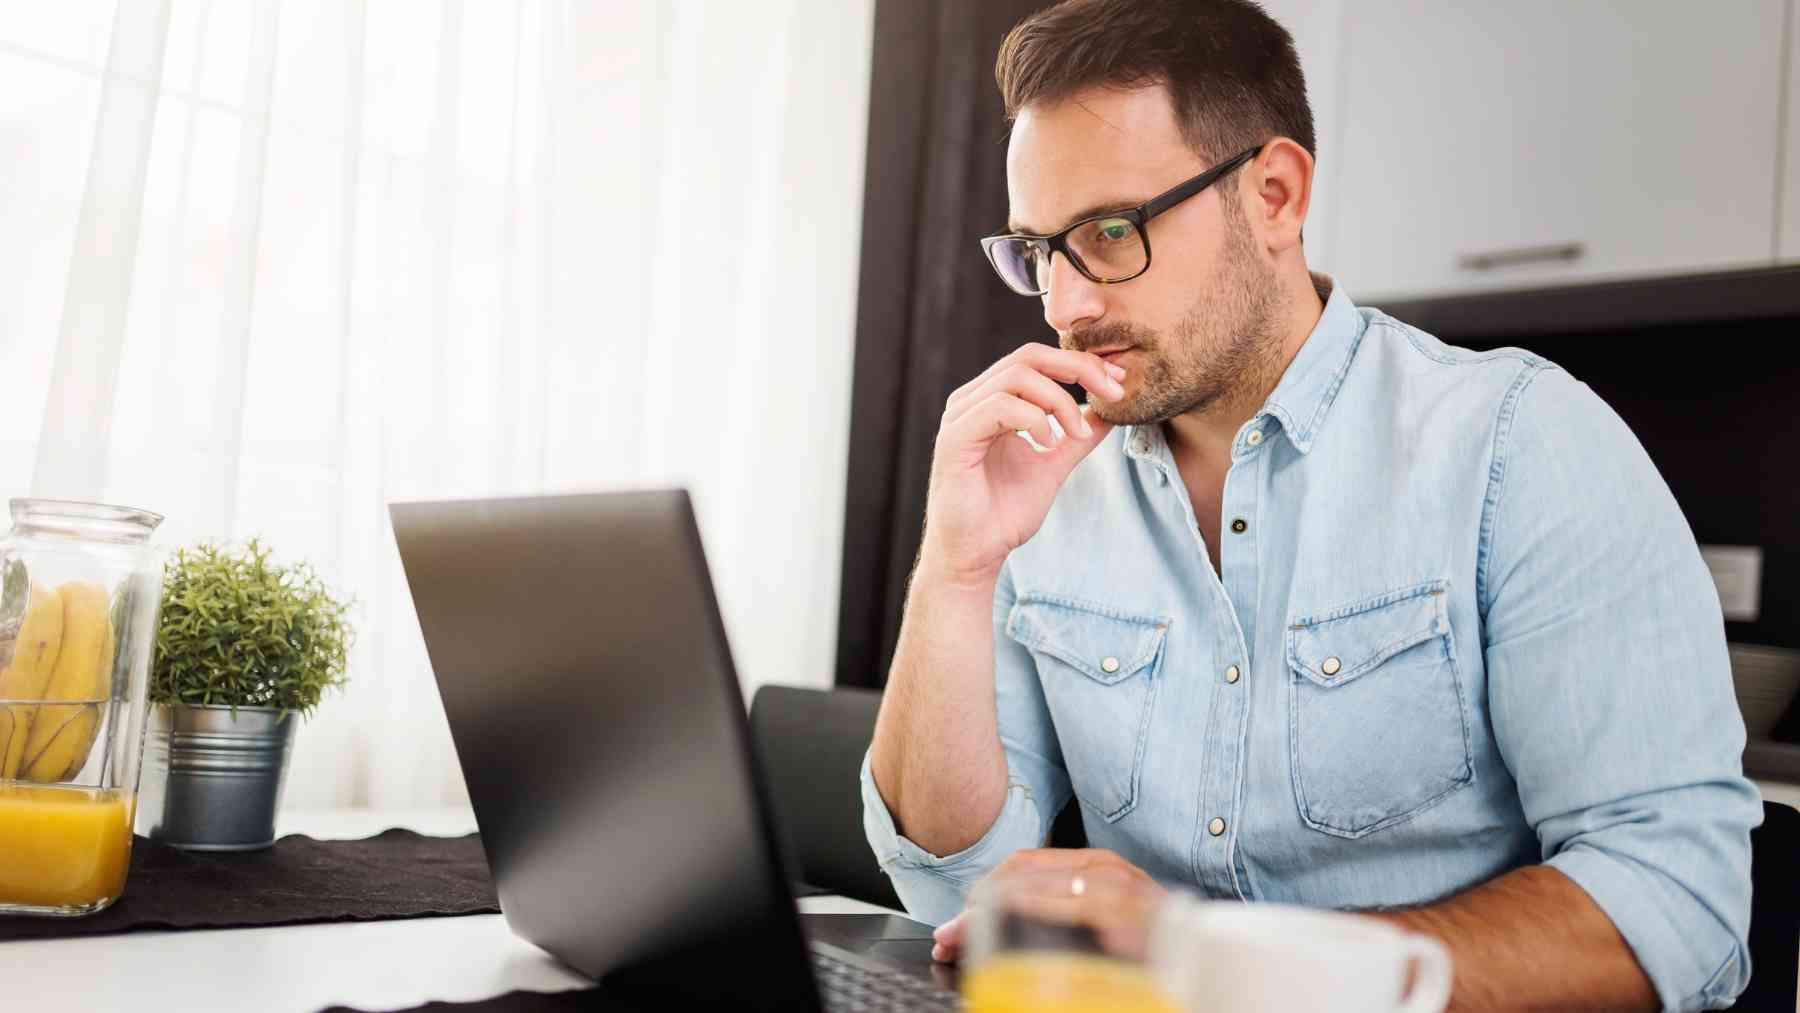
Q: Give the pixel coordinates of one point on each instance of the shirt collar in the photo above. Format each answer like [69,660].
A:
[1312,380]
[1306,390]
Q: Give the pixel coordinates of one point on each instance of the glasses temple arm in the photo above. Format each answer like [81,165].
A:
[1168,199]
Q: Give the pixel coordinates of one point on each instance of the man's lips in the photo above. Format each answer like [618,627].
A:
[1111,354]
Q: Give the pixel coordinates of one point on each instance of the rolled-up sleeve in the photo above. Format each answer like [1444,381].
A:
[1610,689]
[933,887]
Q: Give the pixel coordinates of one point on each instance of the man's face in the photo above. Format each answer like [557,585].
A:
[1197,323]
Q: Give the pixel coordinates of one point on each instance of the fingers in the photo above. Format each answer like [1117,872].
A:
[948,938]
[999,414]
[1033,860]
[1113,897]
[1118,908]
[1090,371]
[1029,385]
[1117,905]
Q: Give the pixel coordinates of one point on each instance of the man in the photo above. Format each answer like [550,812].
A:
[1303,605]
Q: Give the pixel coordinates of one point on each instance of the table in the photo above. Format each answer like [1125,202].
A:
[303,968]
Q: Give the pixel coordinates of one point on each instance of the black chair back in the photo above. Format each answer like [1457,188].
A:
[1774,912]
[811,743]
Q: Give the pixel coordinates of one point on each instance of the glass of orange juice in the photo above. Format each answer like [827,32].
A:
[80,587]
[1025,952]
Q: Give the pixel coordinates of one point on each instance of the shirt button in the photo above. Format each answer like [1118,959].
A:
[1254,438]
[1331,666]
[1232,673]
[1238,526]
[1216,827]
[1110,665]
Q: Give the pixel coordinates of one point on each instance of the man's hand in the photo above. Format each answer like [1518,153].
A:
[936,757]
[990,490]
[1090,887]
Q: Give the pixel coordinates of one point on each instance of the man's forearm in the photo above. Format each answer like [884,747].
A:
[936,756]
[1532,939]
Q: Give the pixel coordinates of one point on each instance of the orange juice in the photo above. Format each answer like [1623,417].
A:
[1062,983]
[64,848]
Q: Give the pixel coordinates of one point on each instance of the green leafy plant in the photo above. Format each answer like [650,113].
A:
[241,631]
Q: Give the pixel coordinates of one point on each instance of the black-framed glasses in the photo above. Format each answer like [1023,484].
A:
[1106,248]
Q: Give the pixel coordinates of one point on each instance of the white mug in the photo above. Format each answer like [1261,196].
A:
[1225,957]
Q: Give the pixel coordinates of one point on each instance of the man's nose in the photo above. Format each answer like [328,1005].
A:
[1074,300]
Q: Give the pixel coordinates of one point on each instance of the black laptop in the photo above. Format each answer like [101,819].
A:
[601,730]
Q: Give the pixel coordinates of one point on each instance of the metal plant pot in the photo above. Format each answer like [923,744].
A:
[211,778]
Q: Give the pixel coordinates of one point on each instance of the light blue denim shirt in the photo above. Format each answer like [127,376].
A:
[1463,627]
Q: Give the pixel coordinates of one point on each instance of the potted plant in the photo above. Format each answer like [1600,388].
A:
[243,644]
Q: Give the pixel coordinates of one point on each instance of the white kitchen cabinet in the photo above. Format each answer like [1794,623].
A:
[1790,187]
[1540,142]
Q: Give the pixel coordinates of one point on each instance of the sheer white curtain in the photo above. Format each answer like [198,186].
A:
[268,266]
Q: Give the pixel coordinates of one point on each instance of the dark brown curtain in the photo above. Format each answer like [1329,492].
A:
[930,313]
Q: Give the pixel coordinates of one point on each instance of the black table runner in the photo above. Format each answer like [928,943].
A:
[396,874]
[590,1000]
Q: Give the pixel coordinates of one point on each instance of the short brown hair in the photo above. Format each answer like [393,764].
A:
[1231,69]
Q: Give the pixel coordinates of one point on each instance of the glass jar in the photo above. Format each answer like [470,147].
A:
[80,587]
[1030,947]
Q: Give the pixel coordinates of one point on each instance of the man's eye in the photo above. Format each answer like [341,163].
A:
[1115,230]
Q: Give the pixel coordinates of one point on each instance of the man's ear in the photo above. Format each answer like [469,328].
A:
[1280,183]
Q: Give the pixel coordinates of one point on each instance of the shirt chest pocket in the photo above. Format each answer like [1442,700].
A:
[1098,667]
[1378,728]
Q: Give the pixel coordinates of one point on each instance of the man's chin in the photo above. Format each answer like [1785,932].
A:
[1141,410]
[1125,413]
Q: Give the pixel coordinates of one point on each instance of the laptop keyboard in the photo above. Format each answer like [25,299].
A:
[848,987]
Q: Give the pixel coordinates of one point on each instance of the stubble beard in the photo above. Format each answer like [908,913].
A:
[1223,353]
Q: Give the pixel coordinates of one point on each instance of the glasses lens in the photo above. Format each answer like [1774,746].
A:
[1021,265]
[1112,249]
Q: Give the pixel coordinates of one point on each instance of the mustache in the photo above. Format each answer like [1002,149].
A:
[1105,335]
